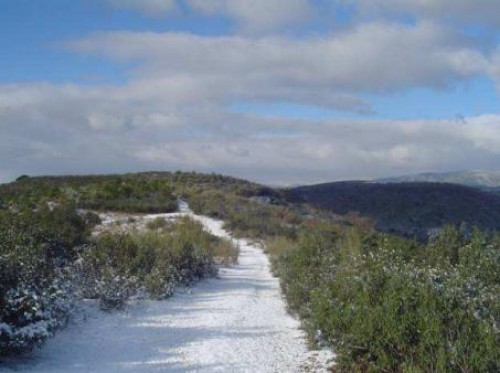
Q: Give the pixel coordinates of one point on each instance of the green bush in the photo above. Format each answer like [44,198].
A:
[245,217]
[389,305]
[156,223]
[36,292]
[224,251]
[126,193]
[115,266]
[48,260]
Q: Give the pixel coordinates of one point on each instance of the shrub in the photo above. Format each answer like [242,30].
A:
[161,284]
[224,251]
[244,217]
[116,266]
[156,223]
[113,289]
[35,285]
[391,305]
[47,257]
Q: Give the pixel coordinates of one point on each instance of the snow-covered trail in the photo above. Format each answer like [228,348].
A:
[236,323]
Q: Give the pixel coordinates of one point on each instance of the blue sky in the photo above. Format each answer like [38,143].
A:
[233,85]
[32,32]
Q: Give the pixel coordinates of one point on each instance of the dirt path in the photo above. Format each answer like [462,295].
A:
[237,323]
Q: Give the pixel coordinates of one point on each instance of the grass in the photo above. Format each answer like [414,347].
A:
[156,223]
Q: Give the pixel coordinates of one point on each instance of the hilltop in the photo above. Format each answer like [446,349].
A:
[133,192]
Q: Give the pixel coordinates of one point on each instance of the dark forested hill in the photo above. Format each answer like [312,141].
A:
[409,209]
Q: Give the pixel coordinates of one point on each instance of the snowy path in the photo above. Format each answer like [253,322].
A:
[237,323]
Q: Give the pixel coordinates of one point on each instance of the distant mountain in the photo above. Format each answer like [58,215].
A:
[479,179]
[407,209]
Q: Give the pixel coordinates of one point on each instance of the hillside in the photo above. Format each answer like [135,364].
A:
[481,179]
[408,209]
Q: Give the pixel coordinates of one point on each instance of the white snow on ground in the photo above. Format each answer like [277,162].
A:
[236,323]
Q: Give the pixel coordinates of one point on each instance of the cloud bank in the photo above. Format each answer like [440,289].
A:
[53,129]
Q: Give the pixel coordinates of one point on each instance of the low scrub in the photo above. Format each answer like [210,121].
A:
[245,217]
[115,266]
[224,251]
[156,223]
[125,193]
[36,289]
[389,305]
[48,260]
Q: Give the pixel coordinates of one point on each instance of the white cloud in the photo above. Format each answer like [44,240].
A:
[495,67]
[254,16]
[257,16]
[262,16]
[483,132]
[105,121]
[484,12]
[325,71]
[50,132]
[148,7]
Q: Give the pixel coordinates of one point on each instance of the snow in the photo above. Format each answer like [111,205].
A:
[236,323]
[4,328]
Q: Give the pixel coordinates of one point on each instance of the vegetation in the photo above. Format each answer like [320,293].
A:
[48,259]
[256,218]
[384,303]
[125,193]
[115,266]
[147,192]
[35,283]
[156,223]
[390,305]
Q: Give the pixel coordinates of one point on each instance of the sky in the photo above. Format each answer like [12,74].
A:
[277,91]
